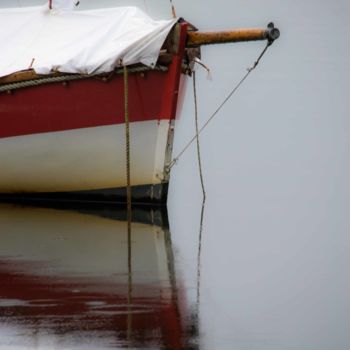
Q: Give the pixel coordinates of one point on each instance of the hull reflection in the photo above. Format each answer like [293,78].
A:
[69,279]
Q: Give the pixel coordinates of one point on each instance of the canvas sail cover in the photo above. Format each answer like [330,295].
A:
[86,42]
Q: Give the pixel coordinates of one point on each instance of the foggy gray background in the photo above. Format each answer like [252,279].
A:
[275,250]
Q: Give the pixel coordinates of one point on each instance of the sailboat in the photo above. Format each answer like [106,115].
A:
[65,95]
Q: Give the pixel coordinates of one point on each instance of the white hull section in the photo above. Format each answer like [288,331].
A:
[83,159]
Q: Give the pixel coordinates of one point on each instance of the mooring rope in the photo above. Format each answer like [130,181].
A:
[130,298]
[128,197]
[236,87]
[127,138]
[197,135]
[203,191]
[199,254]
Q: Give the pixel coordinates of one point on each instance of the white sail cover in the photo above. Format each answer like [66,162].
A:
[86,42]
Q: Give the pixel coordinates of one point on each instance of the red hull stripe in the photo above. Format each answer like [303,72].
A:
[82,104]
[92,102]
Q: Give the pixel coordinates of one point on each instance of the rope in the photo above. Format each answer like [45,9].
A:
[130,291]
[197,135]
[130,298]
[63,78]
[269,43]
[249,70]
[41,81]
[199,254]
[173,12]
[128,196]
[127,140]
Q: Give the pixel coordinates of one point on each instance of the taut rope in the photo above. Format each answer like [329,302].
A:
[173,9]
[249,70]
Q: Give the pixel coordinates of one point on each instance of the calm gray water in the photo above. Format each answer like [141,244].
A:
[275,240]
[76,279]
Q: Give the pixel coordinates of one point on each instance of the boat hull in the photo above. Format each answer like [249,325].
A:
[89,159]
[68,138]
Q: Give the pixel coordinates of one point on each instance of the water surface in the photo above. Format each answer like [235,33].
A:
[78,279]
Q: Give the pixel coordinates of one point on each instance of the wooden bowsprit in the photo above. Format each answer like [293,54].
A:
[197,38]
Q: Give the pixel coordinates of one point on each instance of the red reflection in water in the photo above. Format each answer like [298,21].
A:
[70,304]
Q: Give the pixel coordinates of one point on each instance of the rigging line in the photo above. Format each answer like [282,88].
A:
[199,254]
[249,70]
[173,12]
[197,135]
[204,195]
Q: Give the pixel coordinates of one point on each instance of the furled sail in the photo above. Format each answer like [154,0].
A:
[86,42]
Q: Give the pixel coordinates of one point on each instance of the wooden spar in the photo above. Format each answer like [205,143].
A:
[195,39]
